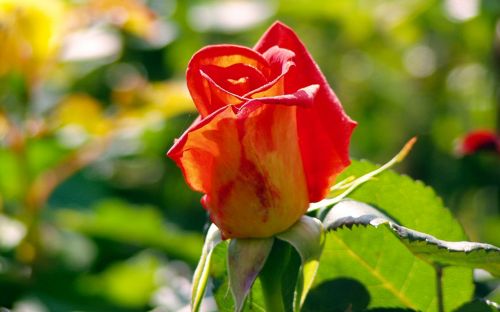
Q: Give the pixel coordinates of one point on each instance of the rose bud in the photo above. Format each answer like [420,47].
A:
[271,136]
[479,140]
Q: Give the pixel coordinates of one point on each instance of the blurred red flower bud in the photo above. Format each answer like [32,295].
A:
[479,140]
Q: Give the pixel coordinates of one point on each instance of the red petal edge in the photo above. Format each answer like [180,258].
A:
[198,85]
[324,130]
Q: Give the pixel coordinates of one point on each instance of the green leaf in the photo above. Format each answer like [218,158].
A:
[129,283]
[200,276]
[494,295]
[479,306]
[112,219]
[429,248]
[307,237]
[246,258]
[11,179]
[369,268]
[44,153]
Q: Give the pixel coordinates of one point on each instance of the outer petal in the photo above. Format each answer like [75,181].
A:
[303,98]
[249,165]
[207,95]
[209,143]
[324,130]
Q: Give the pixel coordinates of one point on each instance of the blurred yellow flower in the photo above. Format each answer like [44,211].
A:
[152,102]
[4,125]
[30,35]
[131,15]
[83,113]
[169,98]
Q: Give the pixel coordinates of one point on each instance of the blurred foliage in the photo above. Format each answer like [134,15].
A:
[92,96]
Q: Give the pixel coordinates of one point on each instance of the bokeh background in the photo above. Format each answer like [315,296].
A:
[93,217]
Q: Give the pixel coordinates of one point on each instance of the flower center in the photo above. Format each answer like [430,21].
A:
[238,79]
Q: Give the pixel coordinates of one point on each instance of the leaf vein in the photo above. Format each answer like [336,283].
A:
[384,282]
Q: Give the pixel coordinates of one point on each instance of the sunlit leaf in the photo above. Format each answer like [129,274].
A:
[145,226]
[43,154]
[11,178]
[429,248]
[369,268]
[129,283]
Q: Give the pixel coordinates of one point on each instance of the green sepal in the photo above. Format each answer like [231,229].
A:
[308,238]
[200,276]
[245,260]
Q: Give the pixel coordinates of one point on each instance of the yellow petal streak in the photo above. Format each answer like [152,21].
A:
[268,193]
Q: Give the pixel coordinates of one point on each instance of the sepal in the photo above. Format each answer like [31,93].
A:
[343,188]
[245,260]
[200,276]
[308,238]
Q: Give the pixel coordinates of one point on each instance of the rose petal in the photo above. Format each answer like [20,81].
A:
[278,58]
[207,95]
[257,188]
[324,130]
[280,62]
[195,151]
[303,97]
[479,140]
[237,79]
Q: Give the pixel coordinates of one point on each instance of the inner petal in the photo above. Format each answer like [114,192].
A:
[238,79]
[206,88]
[280,62]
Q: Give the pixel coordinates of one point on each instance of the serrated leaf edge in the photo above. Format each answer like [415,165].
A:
[377,219]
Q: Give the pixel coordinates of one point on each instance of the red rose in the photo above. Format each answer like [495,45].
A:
[479,140]
[271,136]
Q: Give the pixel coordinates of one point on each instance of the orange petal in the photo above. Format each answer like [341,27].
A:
[249,165]
[207,94]
[324,129]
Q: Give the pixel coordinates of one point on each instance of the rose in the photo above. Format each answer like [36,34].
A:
[479,140]
[271,136]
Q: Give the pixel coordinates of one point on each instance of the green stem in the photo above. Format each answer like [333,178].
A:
[273,299]
[271,276]
[439,287]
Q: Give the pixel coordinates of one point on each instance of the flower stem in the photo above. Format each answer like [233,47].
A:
[439,287]
[271,276]
[273,299]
